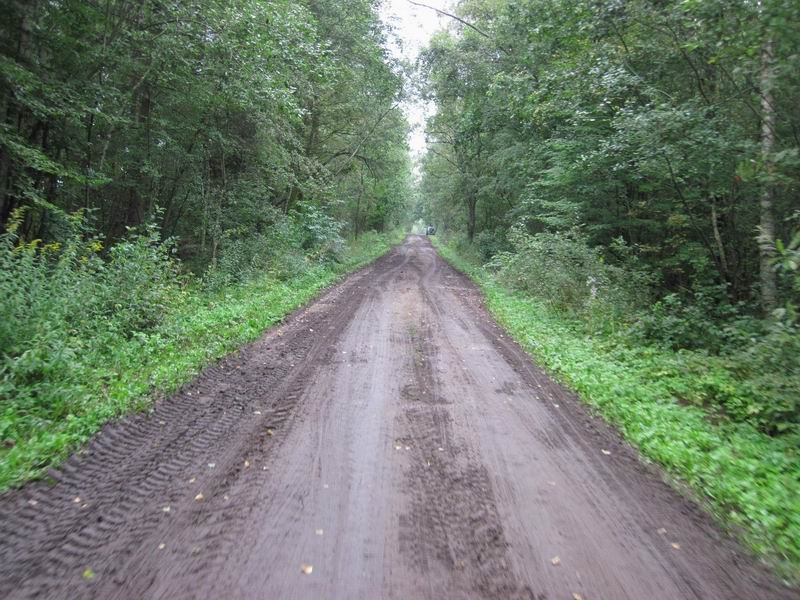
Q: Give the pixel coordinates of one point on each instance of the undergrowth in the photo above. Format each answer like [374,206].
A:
[655,397]
[86,339]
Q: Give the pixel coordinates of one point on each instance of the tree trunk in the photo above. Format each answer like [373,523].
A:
[766,236]
[723,259]
[357,227]
[471,202]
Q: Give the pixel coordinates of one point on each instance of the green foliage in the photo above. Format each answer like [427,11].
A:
[61,303]
[705,321]
[564,271]
[491,243]
[638,121]
[231,116]
[768,371]
[657,399]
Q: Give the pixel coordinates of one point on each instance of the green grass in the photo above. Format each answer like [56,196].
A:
[749,480]
[111,377]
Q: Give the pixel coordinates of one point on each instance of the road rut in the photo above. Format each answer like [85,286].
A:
[387,441]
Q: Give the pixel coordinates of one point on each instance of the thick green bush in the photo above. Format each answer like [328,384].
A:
[562,270]
[61,302]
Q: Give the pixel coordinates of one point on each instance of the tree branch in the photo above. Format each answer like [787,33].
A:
[447,14]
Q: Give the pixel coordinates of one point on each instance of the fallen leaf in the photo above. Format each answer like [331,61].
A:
[199,497]
[88,574]
[319,532]
[676,546]
[306,569]
[606,452]
[270,432]
[661,531]
[555,560]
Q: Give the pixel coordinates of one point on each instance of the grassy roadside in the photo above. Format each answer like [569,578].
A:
[114,376]
[749,480]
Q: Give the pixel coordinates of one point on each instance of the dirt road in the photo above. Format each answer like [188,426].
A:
[389,441]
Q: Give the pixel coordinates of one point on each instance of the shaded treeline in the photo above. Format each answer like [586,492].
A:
[218,119]
[671,125]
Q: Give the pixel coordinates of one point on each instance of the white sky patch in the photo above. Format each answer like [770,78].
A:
[414,26]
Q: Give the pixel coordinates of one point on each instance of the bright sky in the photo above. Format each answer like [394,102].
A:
[414,27]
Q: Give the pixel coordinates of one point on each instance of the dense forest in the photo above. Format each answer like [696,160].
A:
[221,122]
[638,155]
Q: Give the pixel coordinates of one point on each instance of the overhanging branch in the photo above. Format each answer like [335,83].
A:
[452,16]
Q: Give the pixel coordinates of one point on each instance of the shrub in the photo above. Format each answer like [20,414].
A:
[769,370]
[61,301]
[322,234]
[705,320]
[244,254]
[570,276]
[491,242]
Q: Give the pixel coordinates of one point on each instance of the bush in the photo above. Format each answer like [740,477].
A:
[322,234]
[286,248]
[706,320]
[490,243]
[769,370]
[61,301]
[570,276]
[276,252]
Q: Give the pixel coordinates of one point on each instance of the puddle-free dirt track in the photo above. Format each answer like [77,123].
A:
[387,441]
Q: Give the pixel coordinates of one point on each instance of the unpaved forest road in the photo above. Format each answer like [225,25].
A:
[393,439]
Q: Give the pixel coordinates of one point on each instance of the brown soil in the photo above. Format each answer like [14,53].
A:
[390,441]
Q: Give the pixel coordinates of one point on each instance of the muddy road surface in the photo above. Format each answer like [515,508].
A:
[388,441]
